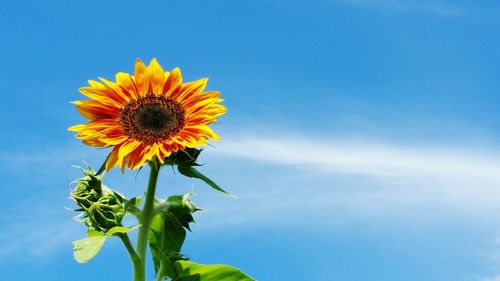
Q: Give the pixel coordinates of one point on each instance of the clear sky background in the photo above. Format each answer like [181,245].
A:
[362,137]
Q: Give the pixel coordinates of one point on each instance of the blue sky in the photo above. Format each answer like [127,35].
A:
[362,136]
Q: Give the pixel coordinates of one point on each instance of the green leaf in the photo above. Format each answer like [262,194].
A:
[119,229]
[132,206]
[191,172]
[190,271]
[92,232]
[168,231]
[87,248]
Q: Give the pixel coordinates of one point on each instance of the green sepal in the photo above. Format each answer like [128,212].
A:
[185,157]
[103,166]
[132,206]
[87,248]
[168,231]
[190,271]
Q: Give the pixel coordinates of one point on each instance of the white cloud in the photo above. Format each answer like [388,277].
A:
[493,278]
[373,176]
[438,8]
[36,233]
[373,159]
[288,179]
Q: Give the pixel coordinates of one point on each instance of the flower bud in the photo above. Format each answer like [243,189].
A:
[88,189]
[102,209]
[107,212]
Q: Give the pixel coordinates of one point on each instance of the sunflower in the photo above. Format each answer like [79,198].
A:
[148,115]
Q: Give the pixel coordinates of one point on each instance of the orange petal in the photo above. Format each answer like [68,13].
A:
[210,109]
[150,153]
[113,139]
[135,158]
[202,104]
[165,149]
[114,90]
[112,158]
[92,109]
[189,89]
[156,77]
[126,83]
[141,78]
[211,95]
[200,120]
[173,81]
[101,95]
[127,147]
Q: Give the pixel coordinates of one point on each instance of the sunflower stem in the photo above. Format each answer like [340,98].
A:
[131,251]
[145,220]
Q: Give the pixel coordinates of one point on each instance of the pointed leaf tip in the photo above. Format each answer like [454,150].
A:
[191,172]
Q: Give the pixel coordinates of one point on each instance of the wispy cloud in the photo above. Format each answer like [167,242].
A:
[370,177]
[438,8]
[36,233]
[493,278]
[291,178]
[371,158]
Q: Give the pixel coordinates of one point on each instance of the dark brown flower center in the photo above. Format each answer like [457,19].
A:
[151,119]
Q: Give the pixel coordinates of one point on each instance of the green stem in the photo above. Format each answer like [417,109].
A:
[145,220]
[131,251]
[160,276]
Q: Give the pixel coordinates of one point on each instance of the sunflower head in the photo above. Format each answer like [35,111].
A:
[148,115]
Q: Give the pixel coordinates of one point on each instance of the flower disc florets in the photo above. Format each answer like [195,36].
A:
[152,119]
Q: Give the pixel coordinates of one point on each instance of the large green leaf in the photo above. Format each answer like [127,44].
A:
[87,248]
[190,271]
[168,231]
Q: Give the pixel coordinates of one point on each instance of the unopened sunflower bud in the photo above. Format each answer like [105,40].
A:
[102,209]
[88,189]
[107,212]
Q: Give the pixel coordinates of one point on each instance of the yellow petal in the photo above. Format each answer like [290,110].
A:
[141,78]
[150,153]
[77,128]
[156,77]
[127,85]
[191,89]
[113,140]
[173,81]
[127,147]
[116,90]
[96,84]
[100,95]
[112,158]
